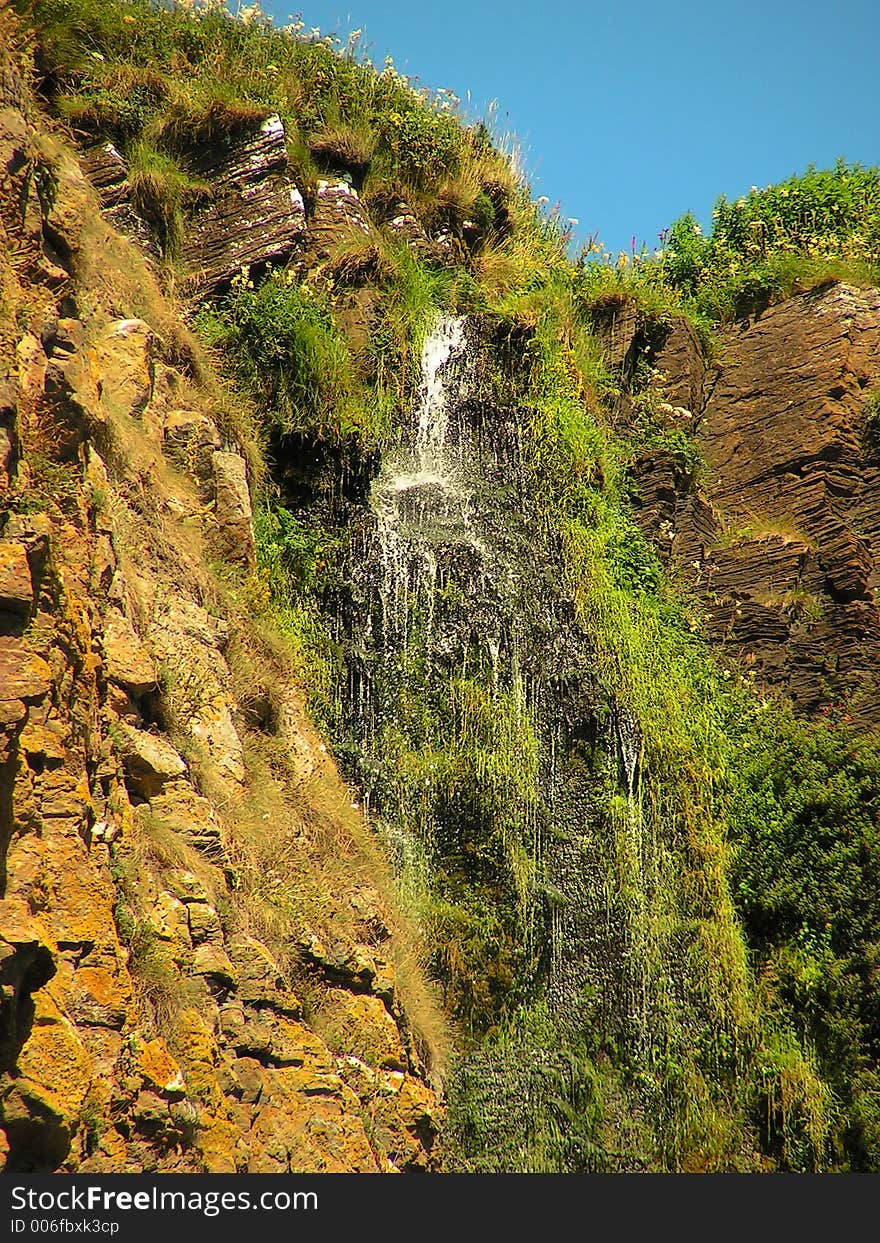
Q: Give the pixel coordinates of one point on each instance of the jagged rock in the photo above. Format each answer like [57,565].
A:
[71,383]
[339,217]
[123,356]
[782,428]
[157,1068]
[256,214]
[83,1085]
[33,532]
[211,960]
[127,661]
[16,588]
[187,887]
[23,674]
[108,173]
[45,745]
[217,1134]
[683,368]
[214,727]
[307,1119]
[204,922]
[618,322]
[169,922]
[347,963]
[96,999]
[365,1024]
[194,818]
[27,962]
[261,981]
[233,507]
[401,221]
[149,761]
[404,1121]
[41,1111]
[191,439]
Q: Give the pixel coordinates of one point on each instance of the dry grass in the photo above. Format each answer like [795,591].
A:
[346,147]
[207,116]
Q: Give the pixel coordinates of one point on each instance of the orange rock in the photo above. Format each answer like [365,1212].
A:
[23,674]
[158,1068]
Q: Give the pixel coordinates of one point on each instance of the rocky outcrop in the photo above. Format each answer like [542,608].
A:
[780,533]
[108,172]
[256,213]
[252,212]
[159,873]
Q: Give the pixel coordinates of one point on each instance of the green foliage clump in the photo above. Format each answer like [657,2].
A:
[284,346]
[806,822]
[822,225]
[292,562]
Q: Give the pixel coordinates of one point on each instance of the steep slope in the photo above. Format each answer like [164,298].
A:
[200,968]
[778,533]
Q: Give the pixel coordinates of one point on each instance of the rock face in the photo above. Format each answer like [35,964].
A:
[150,908]
[781,533]
[256,214]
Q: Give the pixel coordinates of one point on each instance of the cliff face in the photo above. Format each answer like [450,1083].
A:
[202,963]
[204,957]
[779,534]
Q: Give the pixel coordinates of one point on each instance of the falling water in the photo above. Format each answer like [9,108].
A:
[422,498]
[449,575]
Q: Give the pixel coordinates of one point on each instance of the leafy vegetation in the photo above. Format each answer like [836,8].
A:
[769,243]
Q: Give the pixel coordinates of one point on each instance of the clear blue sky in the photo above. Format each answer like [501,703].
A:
[630,114]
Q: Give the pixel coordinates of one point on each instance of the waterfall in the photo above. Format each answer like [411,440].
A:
[422,498]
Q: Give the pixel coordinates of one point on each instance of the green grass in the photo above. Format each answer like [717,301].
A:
[140,71]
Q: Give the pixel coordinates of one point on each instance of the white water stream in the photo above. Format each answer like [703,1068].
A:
[421,498]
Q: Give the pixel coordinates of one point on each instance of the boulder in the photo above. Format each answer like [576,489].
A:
[149,760]
[123,354]
[126,661]
[16,588]
[233,508]
[23,674]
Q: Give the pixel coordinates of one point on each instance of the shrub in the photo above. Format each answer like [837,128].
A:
[768,243]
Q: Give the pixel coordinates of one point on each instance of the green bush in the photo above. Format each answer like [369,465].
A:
[766,244]
[806,822]
[283,346]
